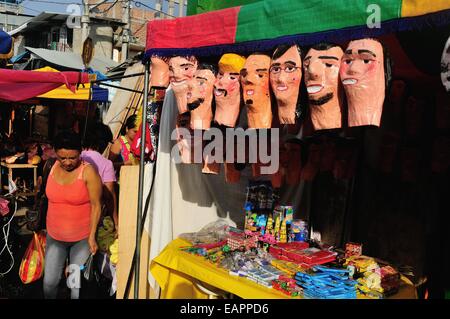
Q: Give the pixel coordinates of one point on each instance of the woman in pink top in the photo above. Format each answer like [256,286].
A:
[73,190]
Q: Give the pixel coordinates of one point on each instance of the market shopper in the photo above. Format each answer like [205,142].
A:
[97,138]
[120,152]
[74,190]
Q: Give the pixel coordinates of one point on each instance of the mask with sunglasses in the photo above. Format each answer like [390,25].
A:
[285,77]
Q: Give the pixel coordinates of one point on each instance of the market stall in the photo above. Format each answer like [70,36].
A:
[184,199]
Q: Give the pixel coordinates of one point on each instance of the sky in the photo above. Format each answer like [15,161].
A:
[34,7]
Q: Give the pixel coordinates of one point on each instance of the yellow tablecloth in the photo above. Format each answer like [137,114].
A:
[176,271]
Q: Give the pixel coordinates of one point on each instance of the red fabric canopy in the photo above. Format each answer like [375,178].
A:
[22,85]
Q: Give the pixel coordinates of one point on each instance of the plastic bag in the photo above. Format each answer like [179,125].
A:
[32,265]
[90,279]
[213,232]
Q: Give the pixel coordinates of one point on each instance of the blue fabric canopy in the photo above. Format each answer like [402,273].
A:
[5,45]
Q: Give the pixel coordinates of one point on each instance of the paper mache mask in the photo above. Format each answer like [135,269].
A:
[285,78]
[227,89]
[445,66]
[255,85]
[199,97]
[321,68]
[181,70]
[363,76]
[159,72]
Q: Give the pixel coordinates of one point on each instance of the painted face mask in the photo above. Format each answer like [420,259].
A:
[159,72]
[227,89]
[199,99]
[255,85]
[285,77]
[181,70]
[445,66]
[362,74]
[324,90]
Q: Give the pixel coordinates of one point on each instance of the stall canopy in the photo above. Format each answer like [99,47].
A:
[5,45]
[83,92]
[22,85]
[202,6]
[262,25]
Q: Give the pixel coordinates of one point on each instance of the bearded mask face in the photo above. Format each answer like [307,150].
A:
[445,66]
[227,89]
[324,89]
[159,72]
[285,77]
[255,85]
[181,70]
[199,99]
[363,76]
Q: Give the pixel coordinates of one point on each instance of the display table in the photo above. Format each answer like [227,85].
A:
[178,272]
[12,167]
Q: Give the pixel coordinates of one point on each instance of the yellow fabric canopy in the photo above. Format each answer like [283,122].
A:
[62,92]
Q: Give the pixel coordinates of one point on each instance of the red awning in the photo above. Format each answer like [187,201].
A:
[22,85]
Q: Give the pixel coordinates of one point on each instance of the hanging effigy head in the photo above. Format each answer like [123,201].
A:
[227,89]
[181,70]
[362,73]
[254,78]
[445,66]
[200,96]
[285,78]
[321,67]
[159,71]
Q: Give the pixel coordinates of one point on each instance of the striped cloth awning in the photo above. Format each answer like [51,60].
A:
[265,24]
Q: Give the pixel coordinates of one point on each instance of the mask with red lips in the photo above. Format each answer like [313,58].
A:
[181,70]
[363,76]
[227,89]
[321,67]
[285,77]
[255,85]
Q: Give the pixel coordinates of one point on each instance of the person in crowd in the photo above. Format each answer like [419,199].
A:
[74,191]
[97,138]
[120,152]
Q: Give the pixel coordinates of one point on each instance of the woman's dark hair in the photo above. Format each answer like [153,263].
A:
[129,124]
[68,140]
[97,137]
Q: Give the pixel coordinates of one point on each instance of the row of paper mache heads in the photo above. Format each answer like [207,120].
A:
[343,86]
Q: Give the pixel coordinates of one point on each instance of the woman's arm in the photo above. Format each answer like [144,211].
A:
[94,186]
[110,187]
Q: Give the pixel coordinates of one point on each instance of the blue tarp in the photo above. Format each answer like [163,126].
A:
[5,45]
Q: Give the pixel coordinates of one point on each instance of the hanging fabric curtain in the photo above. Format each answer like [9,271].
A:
[265,24]
[22,85]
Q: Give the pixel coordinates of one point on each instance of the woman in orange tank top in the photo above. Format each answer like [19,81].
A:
[73,190]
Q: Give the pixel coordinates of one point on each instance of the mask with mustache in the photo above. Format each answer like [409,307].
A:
[321,67]
[255,84]
[199,99]
[227,89]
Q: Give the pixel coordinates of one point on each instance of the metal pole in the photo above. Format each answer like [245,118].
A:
[85,20]
[180,7]
[126,31]
[141,184]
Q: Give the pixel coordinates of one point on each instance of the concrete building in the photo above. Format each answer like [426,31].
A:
[11,15]
[61,32]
